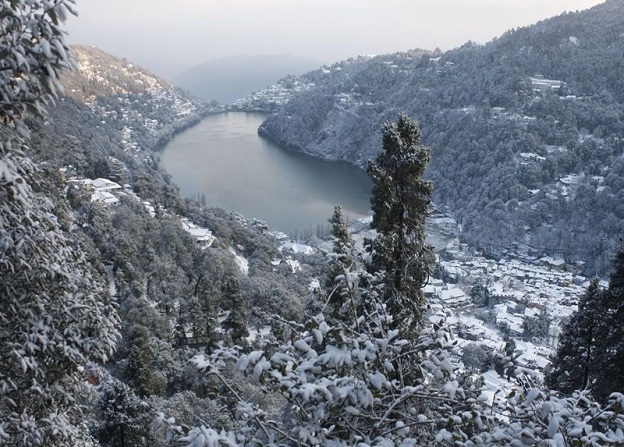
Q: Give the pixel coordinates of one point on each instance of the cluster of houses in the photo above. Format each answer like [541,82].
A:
[101,189]
[108,193]
[273,96]
[518,292]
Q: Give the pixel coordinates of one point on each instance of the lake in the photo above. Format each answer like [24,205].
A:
[224,159]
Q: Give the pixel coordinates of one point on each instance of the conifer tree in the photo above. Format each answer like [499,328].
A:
[236,322]
[400,203]
[124,417]
[202,313]
[578,355]
[591,346]
[341,286]
[609,377]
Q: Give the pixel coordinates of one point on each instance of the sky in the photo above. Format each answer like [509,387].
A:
[170,36]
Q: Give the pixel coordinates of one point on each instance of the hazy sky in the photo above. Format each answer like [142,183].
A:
[169,36]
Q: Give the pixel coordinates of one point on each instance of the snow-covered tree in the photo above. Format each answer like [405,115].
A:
[55,312]
[578,355]
[400,203]
[343,385]
[341,285]
[32,55]
[530,415]
[591,347]
[609,377]
[235,324]
[56,316]
[124,419]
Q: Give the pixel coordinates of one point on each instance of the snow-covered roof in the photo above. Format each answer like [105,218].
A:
[297,248]
[104,197]
[102,183]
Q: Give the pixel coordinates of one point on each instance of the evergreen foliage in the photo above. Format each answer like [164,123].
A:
[32,55]
[56,316]
[400,204]
[609,378]
[591,352]
[124,419]
[503,148]
[235,324]
[340,285]
[578,354]
[351,383]
[350,377]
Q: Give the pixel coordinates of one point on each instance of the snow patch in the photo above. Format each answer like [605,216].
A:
[243,264]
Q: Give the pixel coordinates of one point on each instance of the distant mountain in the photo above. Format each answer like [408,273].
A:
[527,131]
[148,109]
[230,78]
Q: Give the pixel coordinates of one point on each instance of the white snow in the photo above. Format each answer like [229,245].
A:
[297,248]
[243,264]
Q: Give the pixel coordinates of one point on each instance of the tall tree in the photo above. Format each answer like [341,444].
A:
[203,313]
[123,417]
[578,356]
[591,347]
[609,377]
[340,285]
[56,317]
[400,203]
[235,323]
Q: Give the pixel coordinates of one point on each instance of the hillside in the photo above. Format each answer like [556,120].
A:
[230,78]
[132,316]
[526,131]
[174,269]
[147,109]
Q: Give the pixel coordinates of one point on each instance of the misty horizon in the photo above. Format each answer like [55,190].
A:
[170,38]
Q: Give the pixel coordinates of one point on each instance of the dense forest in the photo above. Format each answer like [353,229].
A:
[131,316]
[526,131]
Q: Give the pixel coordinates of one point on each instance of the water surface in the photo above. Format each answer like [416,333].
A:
[224,159]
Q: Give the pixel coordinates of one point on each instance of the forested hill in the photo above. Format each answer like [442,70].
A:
[526,131]
[147,109]
[182,275]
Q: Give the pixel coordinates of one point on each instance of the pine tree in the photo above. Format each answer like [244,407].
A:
[616,280]
[141,372]
[400,203]
[578,356]
[236,322]
[340,284]
[609,376]
[202,314]
[124,418]
[591,346]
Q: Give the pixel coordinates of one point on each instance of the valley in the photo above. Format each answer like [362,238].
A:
[178,272]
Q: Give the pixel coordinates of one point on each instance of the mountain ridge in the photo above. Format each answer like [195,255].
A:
[525,130]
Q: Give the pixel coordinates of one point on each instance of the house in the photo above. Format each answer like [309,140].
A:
[557,264]
[103,184]
[539,84]
[202,236]
[84,183]
[104,197]
[454,297]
